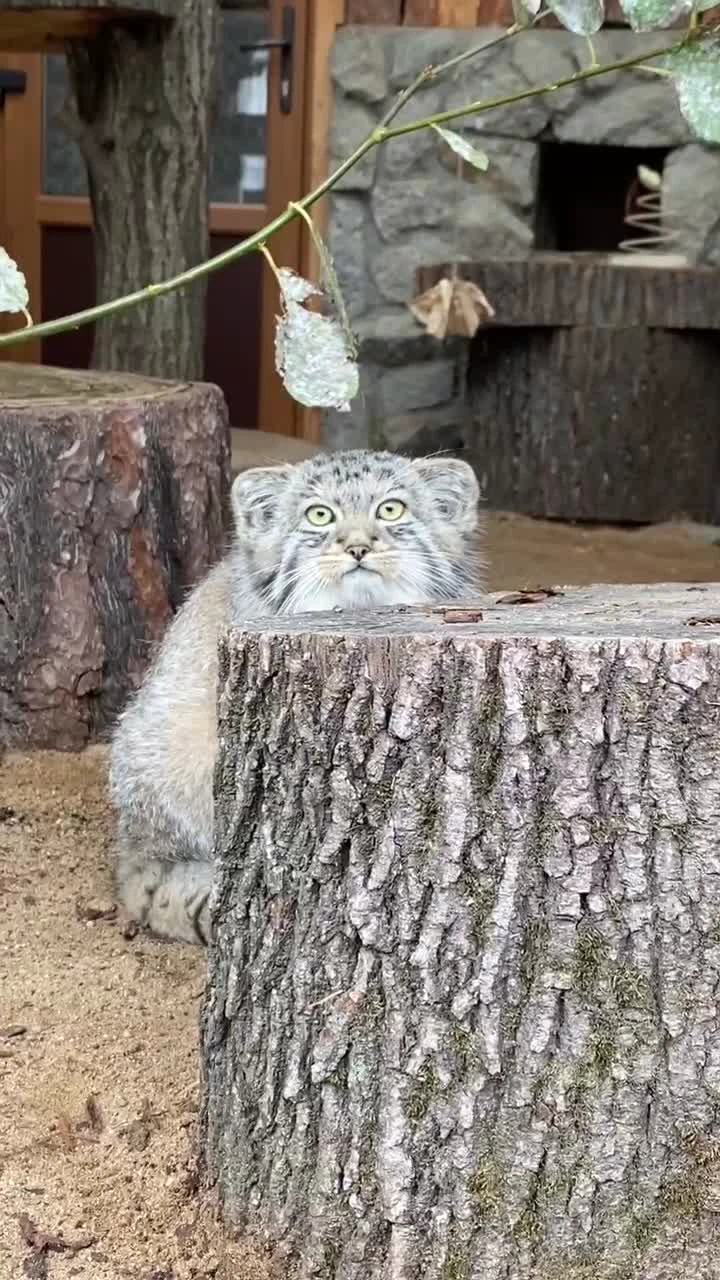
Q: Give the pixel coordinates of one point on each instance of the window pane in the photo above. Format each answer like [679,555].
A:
[238,157]
[63,166]
[238,141]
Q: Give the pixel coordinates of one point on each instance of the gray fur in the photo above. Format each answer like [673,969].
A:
[163,752]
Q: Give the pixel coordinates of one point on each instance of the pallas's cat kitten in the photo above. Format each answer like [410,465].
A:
[352,530]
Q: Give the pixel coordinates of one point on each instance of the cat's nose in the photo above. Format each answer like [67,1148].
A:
[358,550]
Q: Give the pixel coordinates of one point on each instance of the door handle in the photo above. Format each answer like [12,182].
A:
[11,82]
[286,44]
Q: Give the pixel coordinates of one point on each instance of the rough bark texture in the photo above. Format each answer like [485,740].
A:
[112,493]
[462,1014]
[144,93]
[594,385]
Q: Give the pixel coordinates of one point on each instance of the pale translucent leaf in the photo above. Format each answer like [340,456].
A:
[582,17]
[463,148]
[702,6]
[311,350]
[13,290]
[696,69]
[648,15]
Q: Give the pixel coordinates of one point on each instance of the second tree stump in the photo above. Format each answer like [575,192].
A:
[112,504]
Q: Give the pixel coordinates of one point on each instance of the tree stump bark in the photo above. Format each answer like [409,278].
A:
[462,1015]
[596,381]
[112,503]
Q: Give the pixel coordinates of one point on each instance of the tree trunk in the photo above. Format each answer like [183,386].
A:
[112,497]
[462,1018]
[143,98]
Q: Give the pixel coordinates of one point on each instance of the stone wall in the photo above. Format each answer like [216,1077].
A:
[403,206]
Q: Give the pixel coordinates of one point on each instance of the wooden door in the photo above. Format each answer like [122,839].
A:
[256,169]
[20,90]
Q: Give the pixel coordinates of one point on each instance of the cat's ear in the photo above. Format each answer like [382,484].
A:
[454,488]
[255,496]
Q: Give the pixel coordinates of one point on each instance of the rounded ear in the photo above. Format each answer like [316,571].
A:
[255,496]
[454,487]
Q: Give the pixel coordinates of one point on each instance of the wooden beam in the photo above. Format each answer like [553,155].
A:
[325,17]
[457,13]
[421,13]
[381,12]
[42,28]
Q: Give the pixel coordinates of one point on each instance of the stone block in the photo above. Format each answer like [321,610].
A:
[346,241]
[393,267]
[413,49]
[416,386]
[393,337]
[426,431]
[691,190]
[401,207]
[358,65]
[352,123]
[637,111]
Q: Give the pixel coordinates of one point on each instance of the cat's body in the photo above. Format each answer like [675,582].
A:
[351,530]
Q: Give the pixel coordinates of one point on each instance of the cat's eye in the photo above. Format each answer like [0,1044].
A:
[391,510]
[319,516]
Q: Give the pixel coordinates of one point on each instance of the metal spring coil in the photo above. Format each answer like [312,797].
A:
[660,227]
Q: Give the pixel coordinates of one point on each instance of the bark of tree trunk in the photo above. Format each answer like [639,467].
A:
[461,1019]
[143,97]
[112,503]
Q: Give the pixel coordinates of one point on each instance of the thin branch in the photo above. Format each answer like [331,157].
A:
[379,135]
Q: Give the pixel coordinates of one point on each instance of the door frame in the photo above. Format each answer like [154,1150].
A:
[25,210]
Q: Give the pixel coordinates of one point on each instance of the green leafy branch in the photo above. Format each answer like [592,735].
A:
[693,60]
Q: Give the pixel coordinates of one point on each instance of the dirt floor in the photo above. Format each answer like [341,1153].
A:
[98,1028]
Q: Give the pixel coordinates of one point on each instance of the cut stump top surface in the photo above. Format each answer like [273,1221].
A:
[674,611]
[24,385]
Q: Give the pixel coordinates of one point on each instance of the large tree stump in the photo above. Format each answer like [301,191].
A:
[462,1009]
[112,492]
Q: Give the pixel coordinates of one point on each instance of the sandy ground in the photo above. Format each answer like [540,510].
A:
[98,1028]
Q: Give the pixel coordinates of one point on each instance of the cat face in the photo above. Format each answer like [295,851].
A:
[352,530]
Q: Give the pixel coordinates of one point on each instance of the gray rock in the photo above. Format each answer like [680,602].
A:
[411,155]
[358,64]
[428,431]
[488,227]
[691,193]
[401,207]
[416,386]
[353,430]
[346,241]
[393,337]
[414,49]
[393,267]
[511,176]
[352,123]
[636,111]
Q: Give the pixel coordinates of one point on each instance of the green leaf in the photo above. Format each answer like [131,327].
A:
[648,15]
[13,290]
[696,69]
[463,148]
[582,17]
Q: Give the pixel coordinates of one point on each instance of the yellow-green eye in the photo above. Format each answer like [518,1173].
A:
[319,516]
[391,510]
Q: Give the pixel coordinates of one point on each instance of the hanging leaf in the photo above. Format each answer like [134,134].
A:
[463,148]
[648,15]
[582,17]
[696,68]
[13,290]
[312,354]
